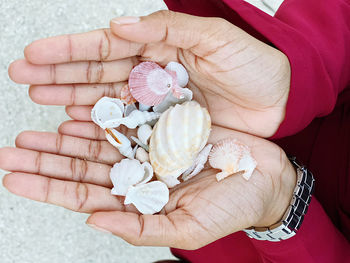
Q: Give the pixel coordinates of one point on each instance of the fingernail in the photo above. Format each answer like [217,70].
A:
[99,228]
[125,20]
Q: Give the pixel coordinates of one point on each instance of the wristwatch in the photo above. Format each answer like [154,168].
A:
[293,217]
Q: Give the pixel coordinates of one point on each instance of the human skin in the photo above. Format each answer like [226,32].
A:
[243,83]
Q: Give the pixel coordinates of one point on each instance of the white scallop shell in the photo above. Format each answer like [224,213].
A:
[107,109]
[142,155]
[170,100]
[181,73]
[231,156]
[127,173]
[148,198]
[179,135]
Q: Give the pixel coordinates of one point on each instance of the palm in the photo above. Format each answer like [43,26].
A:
[246,91]
[73,172]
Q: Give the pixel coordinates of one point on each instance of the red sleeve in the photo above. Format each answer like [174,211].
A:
[316,241]
[314,35]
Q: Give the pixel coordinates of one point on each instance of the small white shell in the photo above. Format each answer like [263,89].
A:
[139,143]
[198,164]
[127,173]
[107,109]
[143,107]
[181,73]
[180,134]
[170,100]
[121,142]
[232,156]
[148,198]
[135,118]
[142,155]
[144,133]
[129,109]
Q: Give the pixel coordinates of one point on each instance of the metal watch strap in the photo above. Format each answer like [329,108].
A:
[293,217]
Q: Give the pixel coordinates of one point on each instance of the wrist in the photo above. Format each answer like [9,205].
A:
[293,217]
[279,202]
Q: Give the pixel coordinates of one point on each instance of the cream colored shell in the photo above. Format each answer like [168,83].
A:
[180,134]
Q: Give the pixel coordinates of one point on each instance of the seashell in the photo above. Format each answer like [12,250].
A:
[198,164]
[125,95]
[134,119]
[127,173]
[144,133]
[142,155]
[143,107]
[149,83]
[232,156]
[170,100]
[181,73]
[129,109]
[139,143]
[148,198]
[105,110]
[121,142]
[179,135]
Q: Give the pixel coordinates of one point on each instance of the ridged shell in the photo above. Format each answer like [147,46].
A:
[179,135]
[231,156]
[148,198]
[181,73]
[107,109]
[149,83]
[128,173]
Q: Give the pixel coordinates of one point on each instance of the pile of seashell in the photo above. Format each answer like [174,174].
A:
[172,135]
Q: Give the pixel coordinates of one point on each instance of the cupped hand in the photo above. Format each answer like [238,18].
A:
[71,169]
[243,82]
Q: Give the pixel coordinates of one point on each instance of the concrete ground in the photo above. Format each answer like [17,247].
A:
[32,231]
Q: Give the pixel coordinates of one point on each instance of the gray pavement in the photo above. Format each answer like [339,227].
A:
[32,231]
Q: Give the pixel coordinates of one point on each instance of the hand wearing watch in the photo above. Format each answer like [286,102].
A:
[293,217]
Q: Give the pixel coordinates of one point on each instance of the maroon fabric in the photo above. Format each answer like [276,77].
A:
[315,36]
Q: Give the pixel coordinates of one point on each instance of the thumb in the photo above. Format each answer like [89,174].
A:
[176,29]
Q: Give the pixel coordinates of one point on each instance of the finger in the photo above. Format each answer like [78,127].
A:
[74,94]
[82,129]
[79,113]
[79,197]
[21,71]
[96,151]
[55,166]
[98,45]
[143,230]
[176,29]
[89,130]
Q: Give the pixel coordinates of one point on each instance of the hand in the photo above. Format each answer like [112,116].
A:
[73,172]
[243,82]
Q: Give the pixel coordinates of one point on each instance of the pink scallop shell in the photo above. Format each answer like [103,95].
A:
[149,83]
